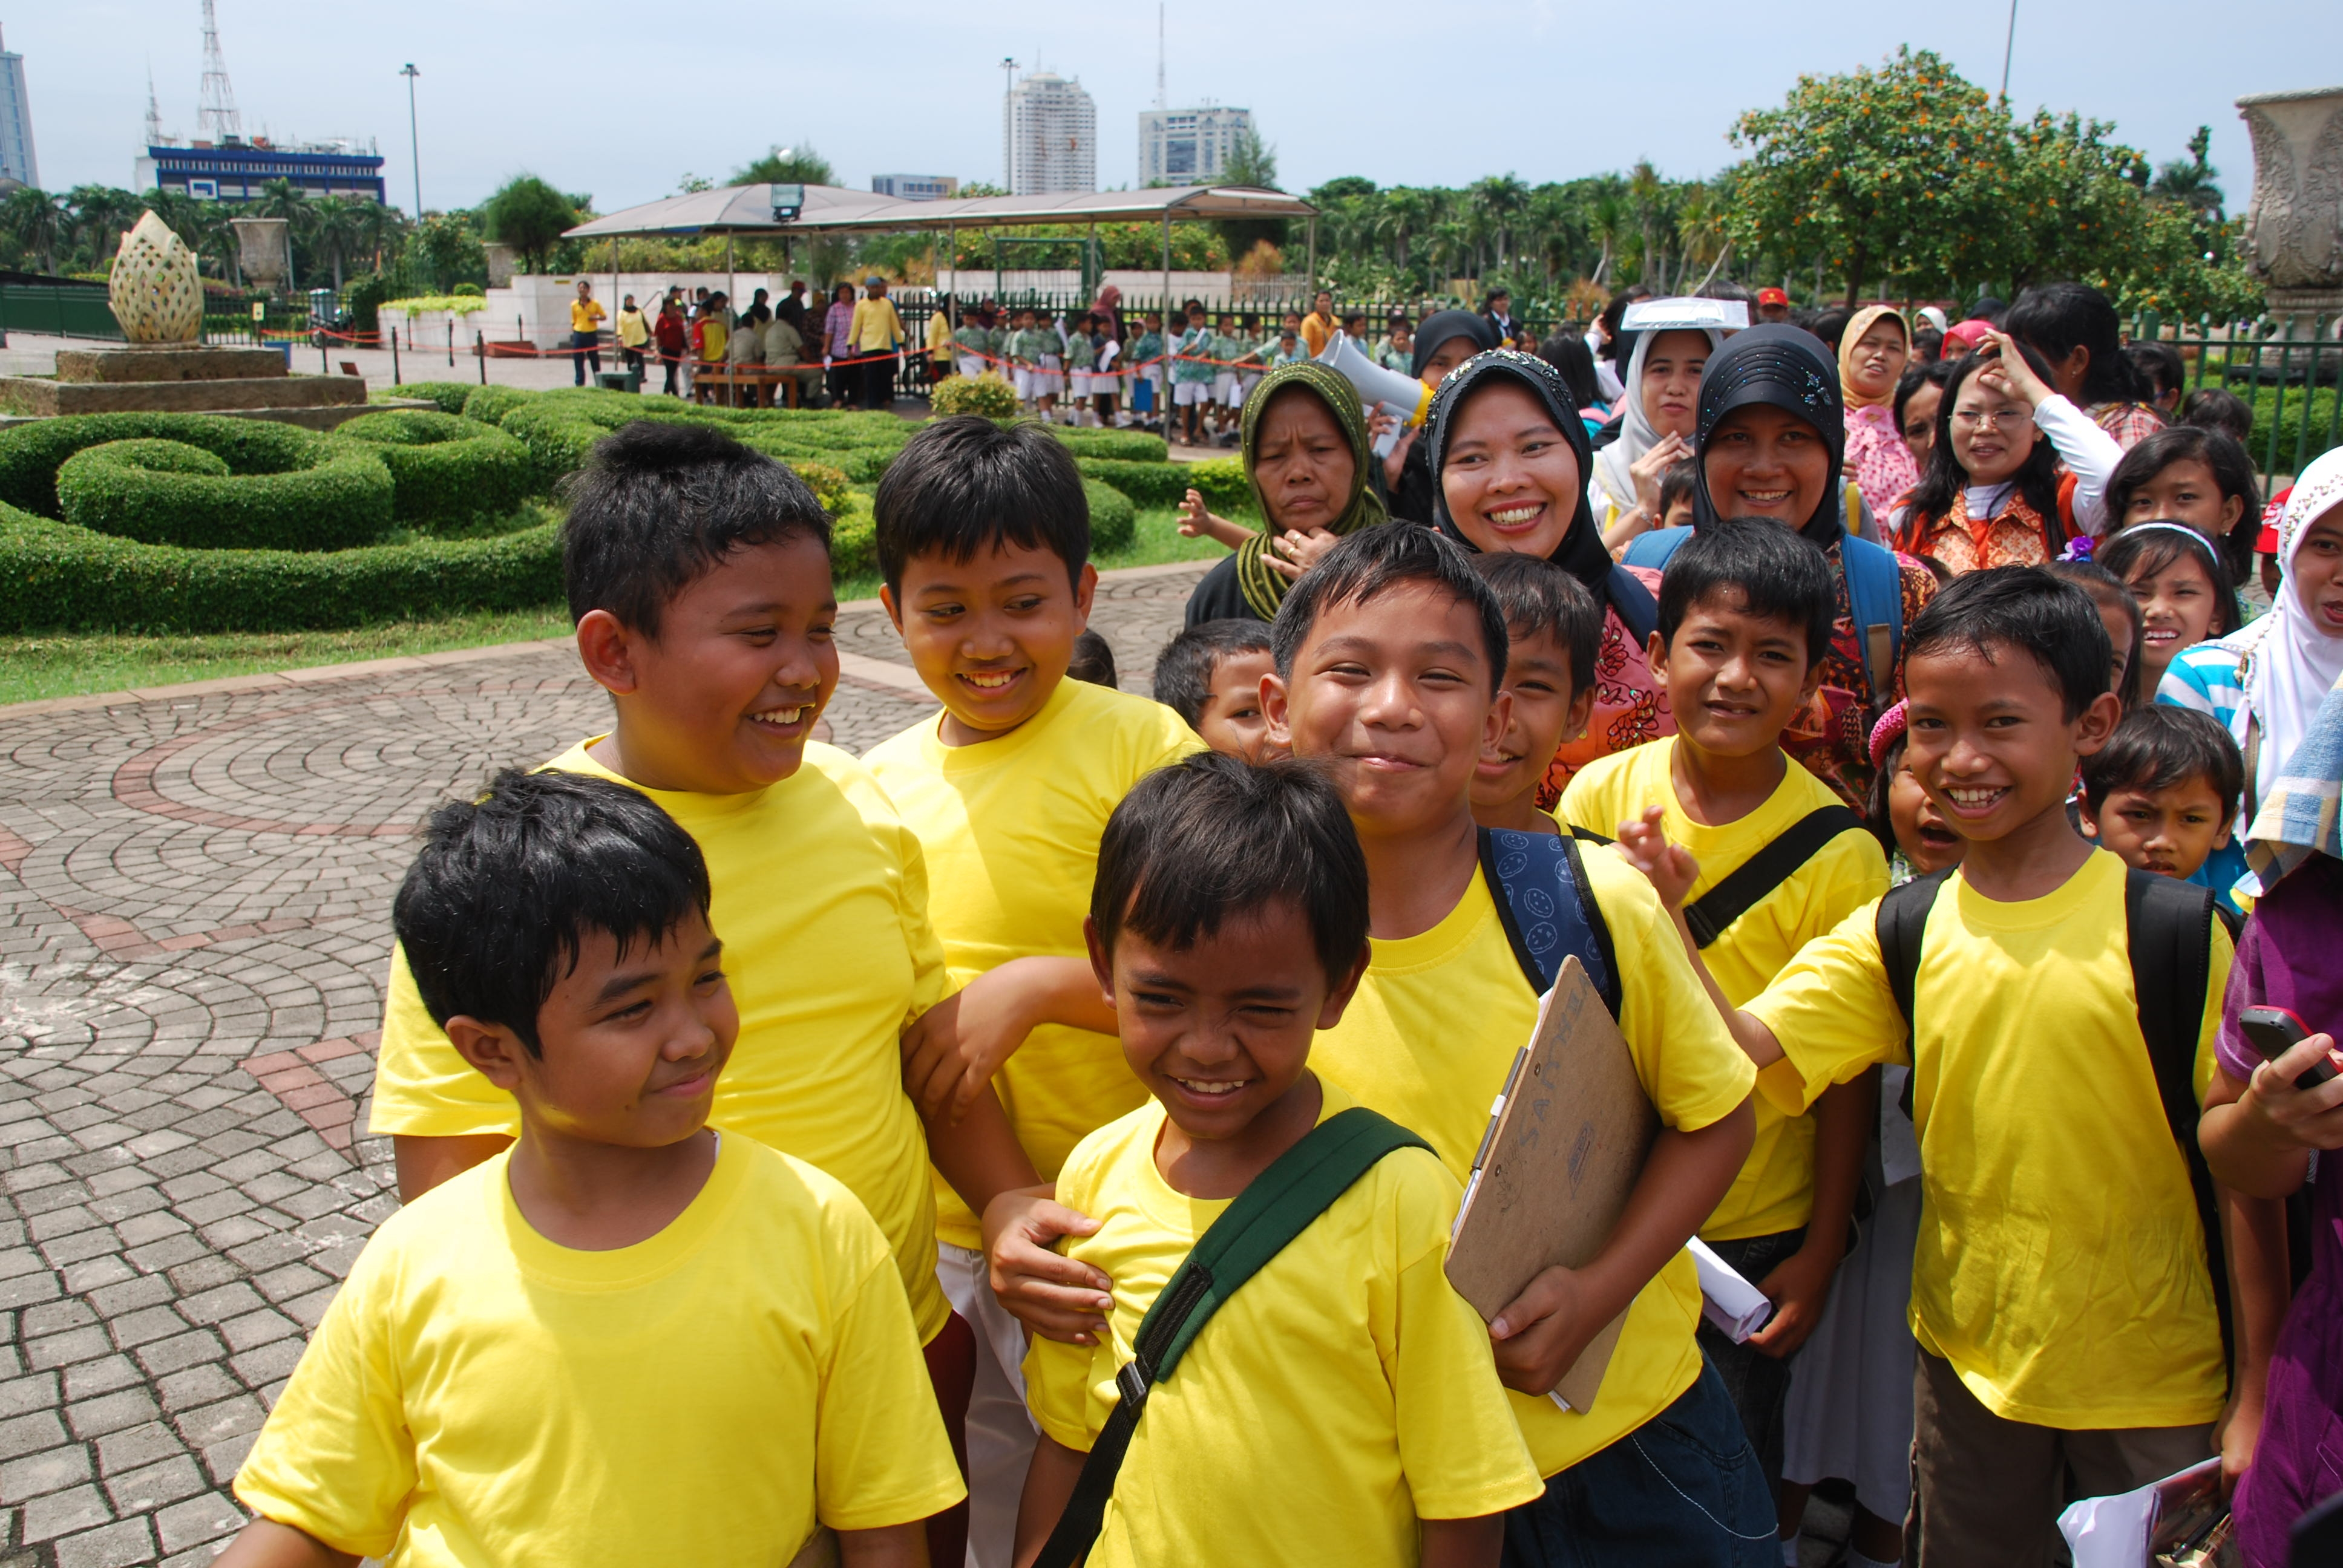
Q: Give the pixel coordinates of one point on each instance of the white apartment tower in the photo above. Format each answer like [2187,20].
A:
[1188,146]
[16,123]
[1052,135]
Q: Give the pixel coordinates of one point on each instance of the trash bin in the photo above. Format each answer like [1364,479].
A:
[619,380]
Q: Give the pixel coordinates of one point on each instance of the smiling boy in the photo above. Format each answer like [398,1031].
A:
[983,543]
[500,1379]
[1210,676]
[1553,628]
[2061,1291]
[1341,1405]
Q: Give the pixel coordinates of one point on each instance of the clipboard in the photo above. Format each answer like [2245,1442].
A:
[1565,1144]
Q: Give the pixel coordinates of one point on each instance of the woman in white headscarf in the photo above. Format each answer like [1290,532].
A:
[1661,404]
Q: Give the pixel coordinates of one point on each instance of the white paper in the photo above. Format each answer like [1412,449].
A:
[1661,315]
[1737,1308]
[2115,1532]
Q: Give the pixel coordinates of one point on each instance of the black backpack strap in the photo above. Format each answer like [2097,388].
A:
[1639,612]
[1589,836]
[1539,884]
[2168,927]
[1283,1201]
[1903,917]
[1755,878]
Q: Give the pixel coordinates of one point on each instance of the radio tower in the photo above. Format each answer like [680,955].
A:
[215,111]
[154,113]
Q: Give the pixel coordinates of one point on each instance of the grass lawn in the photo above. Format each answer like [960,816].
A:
[65,664]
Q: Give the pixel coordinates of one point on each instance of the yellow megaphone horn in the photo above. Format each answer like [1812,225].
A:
[1375,384]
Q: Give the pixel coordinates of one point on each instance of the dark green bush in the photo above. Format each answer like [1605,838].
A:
[445,469]
[853,537]
[558,439]
[31,454]
[1114,521]
[342,499]
[161,457]
[57,577]
[490,404]
[1221,482]
[1123,446]
[1147,484]
[449,395]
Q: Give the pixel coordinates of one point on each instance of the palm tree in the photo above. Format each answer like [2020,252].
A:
[1499,200]
[1403,215]
[1608,218]
[102,214]
[335,228]
[2191,182]
[39,223]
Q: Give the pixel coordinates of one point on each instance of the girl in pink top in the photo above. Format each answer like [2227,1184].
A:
[1872,354]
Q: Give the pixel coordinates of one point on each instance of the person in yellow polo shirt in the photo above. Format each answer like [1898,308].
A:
[875,333]
[585,317]
[634,337]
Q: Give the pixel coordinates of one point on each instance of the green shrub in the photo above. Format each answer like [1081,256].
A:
[1123,446]
[342,499]
[558,439]
[1221,482]
[57,577]
[829,486]
[445,469]
[854,539]
[490,404]
[473,290]
[449,395]
[987,395]
[2266,414]
[31,454]
[1147,484]
[365,296]
[157,455]
[1114,521]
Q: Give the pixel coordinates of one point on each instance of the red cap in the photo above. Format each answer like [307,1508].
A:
[1968,334]
[2265,542]
[1773,296]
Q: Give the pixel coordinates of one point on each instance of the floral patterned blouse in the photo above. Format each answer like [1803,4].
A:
[1630,705]
[1831,736]
[1881,464]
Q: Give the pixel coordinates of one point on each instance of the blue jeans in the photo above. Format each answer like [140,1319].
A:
[1757,1384]
[591,342]
[1683,1490]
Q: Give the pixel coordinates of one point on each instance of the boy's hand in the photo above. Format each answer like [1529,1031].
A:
[1545,1330]
[951,1050]
[2298,1118]
[1799,1288]
[1059,1298]
[1644,844]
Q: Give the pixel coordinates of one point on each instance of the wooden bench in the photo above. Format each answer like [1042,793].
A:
[732,379]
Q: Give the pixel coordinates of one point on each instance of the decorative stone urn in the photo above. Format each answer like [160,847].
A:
[154,289]
[264,251]
[500,265]
[2294,230]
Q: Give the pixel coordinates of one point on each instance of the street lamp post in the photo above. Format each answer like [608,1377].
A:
[1008,160]
[414,144]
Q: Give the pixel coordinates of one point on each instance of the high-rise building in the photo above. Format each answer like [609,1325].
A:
[915,188]
[16,123]
[1052,135]
[1188,146]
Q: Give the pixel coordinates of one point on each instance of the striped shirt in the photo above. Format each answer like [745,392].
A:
[2205,677]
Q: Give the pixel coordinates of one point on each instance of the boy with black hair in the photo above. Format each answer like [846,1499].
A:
[1209,674]
[1553,629]
[1340,1404]
[983,546]
[2064,1287]
[1093,660]
[2163,792]
[699,574]
[1392,658]
[1745,613]
[484,1379]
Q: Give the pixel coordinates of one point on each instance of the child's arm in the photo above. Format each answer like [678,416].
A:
[1543,1330]
[1196,518]
[2257,1136]
[894,1546]
[1057,1297]
[951,1050]
[1464,1543]
[1049,1486]
[265,1543]
[1644,844]
[2253,1233]
[1799,1286]
[979,1153]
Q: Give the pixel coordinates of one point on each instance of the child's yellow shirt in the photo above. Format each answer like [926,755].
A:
[1341,1394]
[2060,1266]
[819,894]
[1012,826]
[1428,1042]
[1775,1190]
[477,1393]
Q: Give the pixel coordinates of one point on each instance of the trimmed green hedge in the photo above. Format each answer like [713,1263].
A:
[445,469]
[449,395]
[556,440]
[490,404]
[57,577]
[1221,482]
[1114,521]
[854,538]
[1121,446]
[31,454]
[343,500]
[1147,484]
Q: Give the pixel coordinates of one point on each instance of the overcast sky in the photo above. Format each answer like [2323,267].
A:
[623,100]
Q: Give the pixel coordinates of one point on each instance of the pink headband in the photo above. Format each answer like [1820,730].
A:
[1887,732]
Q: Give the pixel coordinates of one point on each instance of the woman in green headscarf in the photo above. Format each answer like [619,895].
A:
[1305,450]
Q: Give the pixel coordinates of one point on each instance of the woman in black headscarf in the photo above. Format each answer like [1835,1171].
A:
[1769,442]
[1509,456]
[1446,339]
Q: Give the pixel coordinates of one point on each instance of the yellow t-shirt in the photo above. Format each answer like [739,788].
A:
[1344,1391]
[876,328]
[821,896]
[2060,1266]
[584,314]
[1428,1040]
[478,1394]
[633,331]
[1012,827]
[1775,1190]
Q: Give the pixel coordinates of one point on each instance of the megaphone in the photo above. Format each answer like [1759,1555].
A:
[1404,396]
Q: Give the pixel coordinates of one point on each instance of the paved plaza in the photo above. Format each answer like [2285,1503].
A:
[195,897]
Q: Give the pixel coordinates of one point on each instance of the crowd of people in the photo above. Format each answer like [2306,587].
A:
[1039,1139]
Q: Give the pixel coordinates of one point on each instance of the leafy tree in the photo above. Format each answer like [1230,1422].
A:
[1251,162]
[1344,187]
[442,251]
[798,165]
[2192,182]
[529,216]
[37,223]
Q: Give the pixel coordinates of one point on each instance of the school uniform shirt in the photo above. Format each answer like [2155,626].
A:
[820,896]
[632,333]
[1010,830]
[1343,1392]
[477,1393]
[875,327]
[2060,1267]
[585,315]
[1775,1190]
[1428,1042]
[1194,366]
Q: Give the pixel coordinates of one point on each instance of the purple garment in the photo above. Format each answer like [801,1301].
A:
[840,325]
[2287,958]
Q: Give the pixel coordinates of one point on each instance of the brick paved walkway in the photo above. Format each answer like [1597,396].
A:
[195,891]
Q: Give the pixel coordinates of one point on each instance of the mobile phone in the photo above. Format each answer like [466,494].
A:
[2274,1031]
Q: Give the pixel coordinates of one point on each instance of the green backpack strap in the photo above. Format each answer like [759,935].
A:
[1299,1185]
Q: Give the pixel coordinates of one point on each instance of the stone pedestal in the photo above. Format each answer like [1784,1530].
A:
[2294,229]
[183,379]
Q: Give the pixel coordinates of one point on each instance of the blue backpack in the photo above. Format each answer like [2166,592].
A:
[1874,594]
[1548,911]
